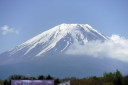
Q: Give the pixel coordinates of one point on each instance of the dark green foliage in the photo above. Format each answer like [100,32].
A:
[57,81]
[125,80]
[41,77]
[118,78]
[115,78]
[17,77]
[49,77]
[32,78]
[6,82]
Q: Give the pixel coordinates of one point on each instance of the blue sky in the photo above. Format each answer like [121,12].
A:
[21,20]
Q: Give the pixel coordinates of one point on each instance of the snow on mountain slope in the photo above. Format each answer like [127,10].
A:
[45,53]
[57,39]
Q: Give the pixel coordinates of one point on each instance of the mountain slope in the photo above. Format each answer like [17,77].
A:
[57,40]
[45,54]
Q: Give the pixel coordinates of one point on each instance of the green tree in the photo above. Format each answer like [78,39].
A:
[125,80]
[115,77]
[32,78]
[108,77]
[57,81]
[6,82]
[118,80]
[49,77]
[41,77]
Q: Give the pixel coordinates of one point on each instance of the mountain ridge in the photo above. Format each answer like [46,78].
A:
[45,53]
[49,39]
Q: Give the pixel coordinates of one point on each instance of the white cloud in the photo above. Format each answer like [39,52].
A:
[6,29]
[116,47]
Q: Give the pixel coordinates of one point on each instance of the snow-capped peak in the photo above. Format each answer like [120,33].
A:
[58,39]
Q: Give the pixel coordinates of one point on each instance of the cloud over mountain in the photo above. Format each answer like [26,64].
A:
[45,53]
[115,47]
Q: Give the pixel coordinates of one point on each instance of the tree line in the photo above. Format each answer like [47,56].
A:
[114,78]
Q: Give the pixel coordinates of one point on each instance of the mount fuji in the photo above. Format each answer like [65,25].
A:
[56,40]
[46,54]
